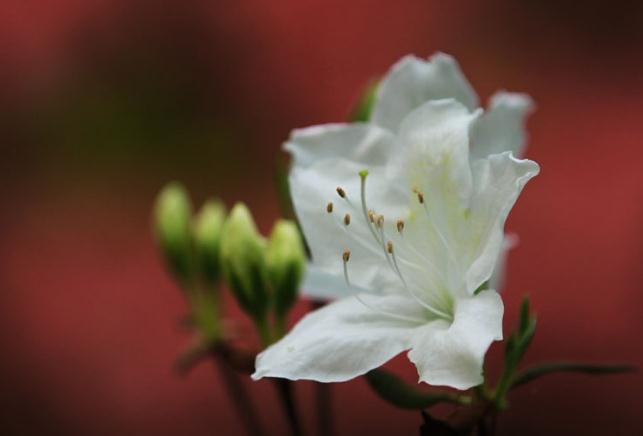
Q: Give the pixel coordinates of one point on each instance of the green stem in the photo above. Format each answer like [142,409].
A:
[284,387]
[503,385]
[264,331]
[280,328]
[239,396]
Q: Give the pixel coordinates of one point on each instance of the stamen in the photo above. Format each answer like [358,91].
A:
[400,225]
[379,221]
[341,192]
[347,219]
[389,247]
[441,237]
[329,207]
[369,215]
[346,256]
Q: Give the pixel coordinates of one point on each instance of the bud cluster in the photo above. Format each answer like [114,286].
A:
[262,274]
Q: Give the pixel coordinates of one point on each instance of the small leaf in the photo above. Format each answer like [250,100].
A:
[482,287]
[397,392]
[362,110]
[537,371]
[524,315]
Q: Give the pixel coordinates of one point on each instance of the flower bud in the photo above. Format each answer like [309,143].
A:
[285,260]
[172,214]
[208,228]
[243,262]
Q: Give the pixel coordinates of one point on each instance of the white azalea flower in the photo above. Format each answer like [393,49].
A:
[413,81]
[415,238]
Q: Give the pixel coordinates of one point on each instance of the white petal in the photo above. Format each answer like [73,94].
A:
[435,137]
[363,143]
[498,180]
[502,127]
[497,280]
[413,81]
[321,285]
[314,179]
[342,340]
[453,355]
[436,141]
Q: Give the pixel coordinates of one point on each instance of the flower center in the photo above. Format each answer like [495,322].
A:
[442,307]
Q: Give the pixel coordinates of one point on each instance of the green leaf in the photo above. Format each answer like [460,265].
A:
[524,315]
[398,393]
[482,287]
[362,110]
[537,371]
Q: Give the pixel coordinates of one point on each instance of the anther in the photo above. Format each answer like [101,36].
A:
[329,207]
[347,219]
[389,247]
[420,197]
[380,221]
[371,216]
[400,225]
[346,255]
[341,192]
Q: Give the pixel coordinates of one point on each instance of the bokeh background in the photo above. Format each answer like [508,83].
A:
[103,102]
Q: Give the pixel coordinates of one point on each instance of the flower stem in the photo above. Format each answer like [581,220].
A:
[284,387]
[237,392]
[323,397]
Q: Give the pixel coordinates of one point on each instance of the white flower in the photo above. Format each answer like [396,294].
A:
[415,238]
[413,81]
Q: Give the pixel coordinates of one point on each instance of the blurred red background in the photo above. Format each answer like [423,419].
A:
[103,102]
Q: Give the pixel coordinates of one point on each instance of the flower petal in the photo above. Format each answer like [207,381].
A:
[343,340]
[453,355]
[314,180]
[497,279]
[498,180]
[363,143]
[502,127]
[321,285]
[413,81]
[435,138]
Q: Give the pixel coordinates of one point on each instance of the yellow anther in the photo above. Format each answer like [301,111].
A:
[400,225]
[389,247]
[346,255]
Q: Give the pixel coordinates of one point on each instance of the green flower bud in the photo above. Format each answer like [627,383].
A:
[208,228]
[172,215]
[285,260]
[243,262]
[362,110]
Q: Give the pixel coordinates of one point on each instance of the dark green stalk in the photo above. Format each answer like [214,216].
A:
[284,388]
[238,394]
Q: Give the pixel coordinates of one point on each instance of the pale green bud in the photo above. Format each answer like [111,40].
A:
[285,260]
[243,262]
[172,215]
[208,227]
